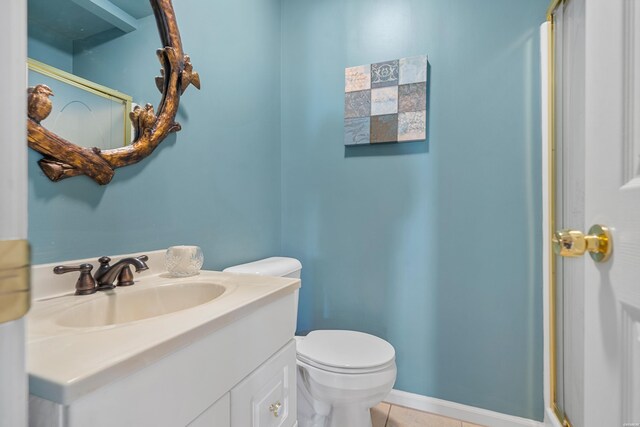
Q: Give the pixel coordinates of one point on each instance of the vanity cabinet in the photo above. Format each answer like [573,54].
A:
[242,374]
[217,414]
[267,397]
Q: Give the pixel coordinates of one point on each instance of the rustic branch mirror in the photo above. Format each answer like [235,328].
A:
[64,159]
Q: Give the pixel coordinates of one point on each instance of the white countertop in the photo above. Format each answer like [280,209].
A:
[65,363]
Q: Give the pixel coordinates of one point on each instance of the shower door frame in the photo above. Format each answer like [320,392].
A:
[551,211]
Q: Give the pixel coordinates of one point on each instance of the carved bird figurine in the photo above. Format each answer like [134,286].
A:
[188,75]
[147,118]
[142,119]
[38,103]
[134,116]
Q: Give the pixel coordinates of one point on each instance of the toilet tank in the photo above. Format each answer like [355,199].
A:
[274,266]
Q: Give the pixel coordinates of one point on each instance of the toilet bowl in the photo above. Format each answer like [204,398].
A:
[341,374]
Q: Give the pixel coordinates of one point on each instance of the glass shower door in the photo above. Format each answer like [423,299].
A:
[568,62]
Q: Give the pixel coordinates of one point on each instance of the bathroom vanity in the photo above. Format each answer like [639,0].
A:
[214,349]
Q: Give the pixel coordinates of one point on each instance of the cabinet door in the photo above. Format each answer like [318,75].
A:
[267,397]
[216,415]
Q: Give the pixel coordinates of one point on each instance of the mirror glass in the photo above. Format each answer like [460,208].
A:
[62,37]
[80,105]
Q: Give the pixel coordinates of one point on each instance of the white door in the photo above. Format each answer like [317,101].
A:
[612,290]
[13,198]
[600,184]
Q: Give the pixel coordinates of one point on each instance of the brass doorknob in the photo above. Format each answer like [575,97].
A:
[572,243]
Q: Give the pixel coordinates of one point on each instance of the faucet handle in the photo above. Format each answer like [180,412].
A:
[125,278]
[104,261]
[85,284]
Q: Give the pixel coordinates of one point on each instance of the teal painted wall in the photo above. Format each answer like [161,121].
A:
[434,246]
[217,182]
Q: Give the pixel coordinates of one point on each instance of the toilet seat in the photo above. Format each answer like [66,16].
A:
[350,371]
[347,352]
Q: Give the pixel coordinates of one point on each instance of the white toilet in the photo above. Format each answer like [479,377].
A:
[341,374]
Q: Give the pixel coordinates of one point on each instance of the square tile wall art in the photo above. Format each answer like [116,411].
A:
[386,102]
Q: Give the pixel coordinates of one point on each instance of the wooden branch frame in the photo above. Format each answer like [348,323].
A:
[63,159]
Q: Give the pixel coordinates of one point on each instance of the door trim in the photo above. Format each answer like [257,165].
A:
[14,191]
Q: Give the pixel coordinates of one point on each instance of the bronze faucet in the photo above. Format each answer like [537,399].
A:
[106,274]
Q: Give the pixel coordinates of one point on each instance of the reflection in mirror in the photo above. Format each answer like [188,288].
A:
[62,31]
[80,105]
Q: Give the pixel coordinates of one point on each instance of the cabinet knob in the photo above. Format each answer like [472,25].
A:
[275,408]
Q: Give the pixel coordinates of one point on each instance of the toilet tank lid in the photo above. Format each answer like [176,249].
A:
[274,266]
[345,349]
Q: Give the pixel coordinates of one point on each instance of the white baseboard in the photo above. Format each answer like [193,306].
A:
[466,413]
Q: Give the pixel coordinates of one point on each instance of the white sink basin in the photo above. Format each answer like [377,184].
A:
[140,304]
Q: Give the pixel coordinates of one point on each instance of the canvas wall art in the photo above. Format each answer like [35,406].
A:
[386,102]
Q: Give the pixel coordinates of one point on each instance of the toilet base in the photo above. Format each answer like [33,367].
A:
[337,416]
[315,413]
[352,416]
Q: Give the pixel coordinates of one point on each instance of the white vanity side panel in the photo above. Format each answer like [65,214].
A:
[176,389]
[217,415]
[45,413]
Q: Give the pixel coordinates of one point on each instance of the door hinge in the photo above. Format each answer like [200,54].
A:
[15,283]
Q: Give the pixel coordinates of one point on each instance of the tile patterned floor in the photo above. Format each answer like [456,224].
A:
[386,415]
